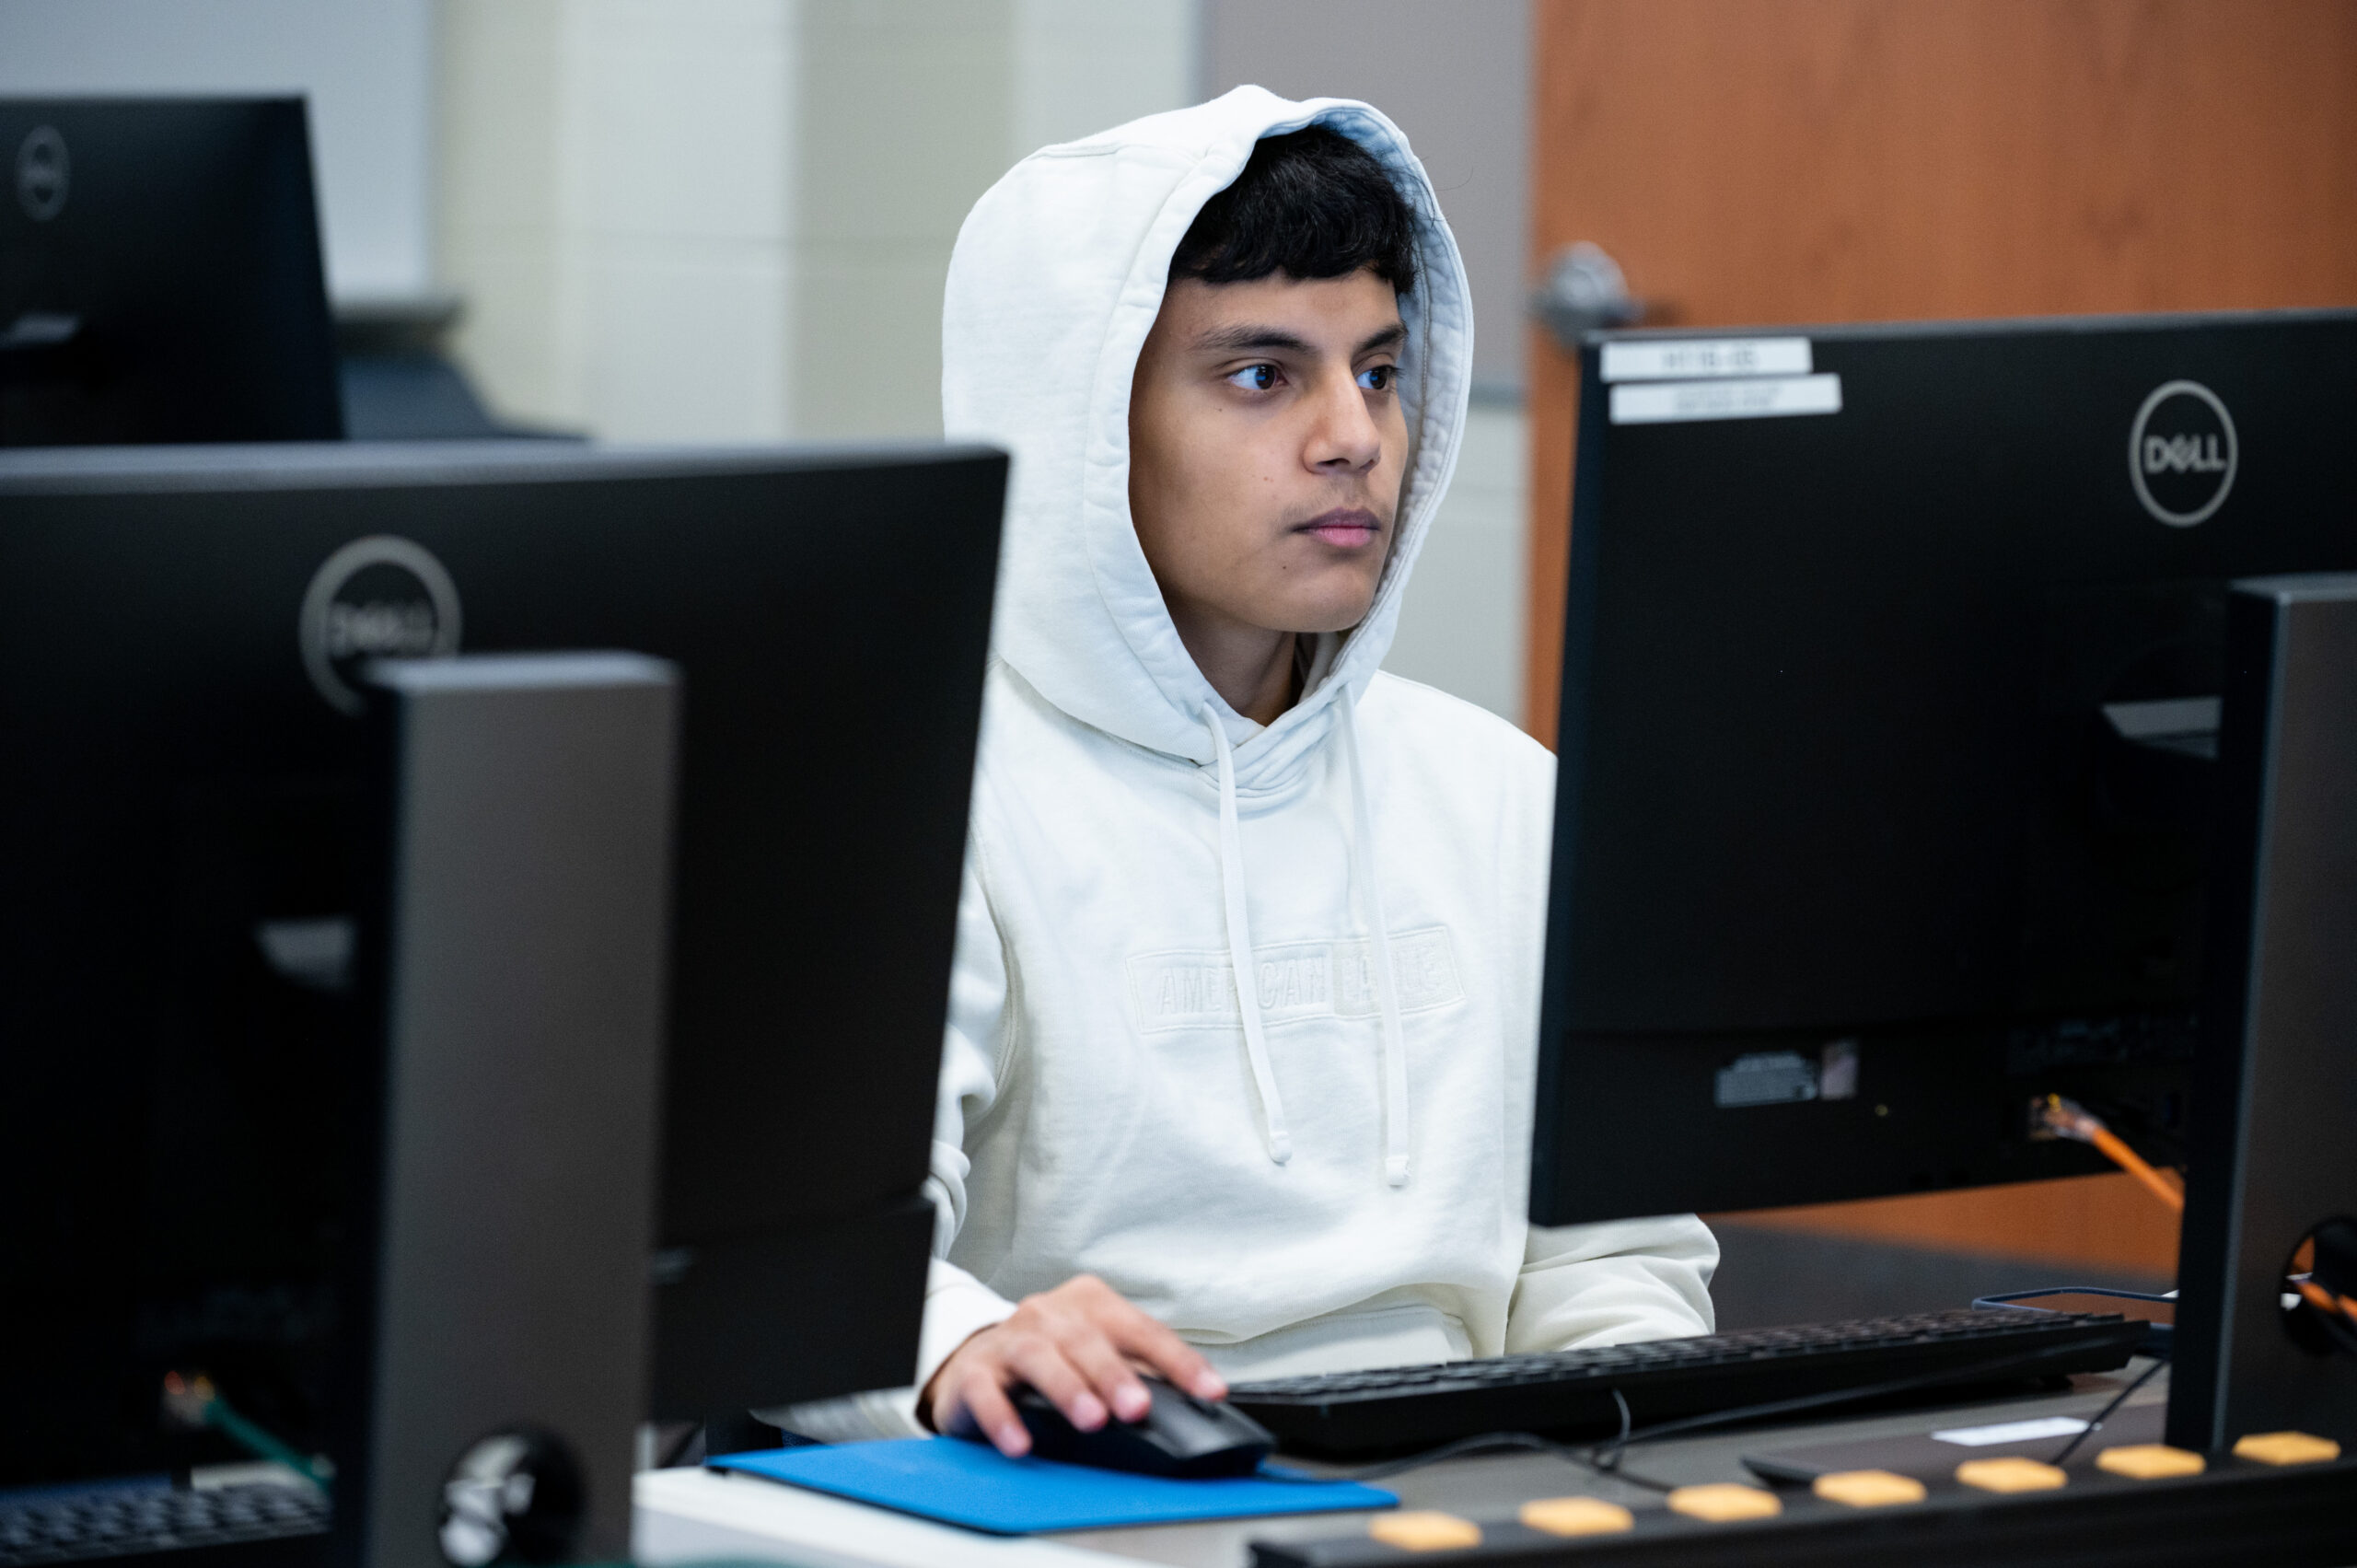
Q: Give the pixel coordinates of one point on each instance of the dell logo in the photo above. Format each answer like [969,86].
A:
[377,598]
[2182,453]
[42,170]
[381,629]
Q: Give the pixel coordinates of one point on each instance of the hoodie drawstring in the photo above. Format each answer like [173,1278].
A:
[1394,1036]
[1239,954]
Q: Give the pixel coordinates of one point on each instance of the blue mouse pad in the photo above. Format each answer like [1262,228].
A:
[959,1482]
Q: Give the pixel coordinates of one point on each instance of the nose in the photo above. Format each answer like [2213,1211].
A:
[1344,437]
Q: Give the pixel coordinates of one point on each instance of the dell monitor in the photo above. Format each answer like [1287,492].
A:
[1891,674]
[159,275]
[182,764]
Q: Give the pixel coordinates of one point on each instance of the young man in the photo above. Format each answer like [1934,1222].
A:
[1242,1029]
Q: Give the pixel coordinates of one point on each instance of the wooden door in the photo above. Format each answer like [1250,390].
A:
[1761,161]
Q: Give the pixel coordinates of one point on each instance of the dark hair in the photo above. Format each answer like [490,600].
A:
[1312,203]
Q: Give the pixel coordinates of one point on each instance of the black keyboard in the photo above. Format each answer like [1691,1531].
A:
[123,1521]
[1569,1393]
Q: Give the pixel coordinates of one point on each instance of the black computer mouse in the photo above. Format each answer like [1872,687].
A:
[1180,1436]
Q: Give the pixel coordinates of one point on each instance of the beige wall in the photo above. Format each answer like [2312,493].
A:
[716,220]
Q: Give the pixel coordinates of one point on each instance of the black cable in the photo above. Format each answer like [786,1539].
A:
[1483,1443]
[2107,1412]
[1487,1442]
[1599,1461]
[1606,1459]
[676,1452]
[2339,1332]
[1846,1396]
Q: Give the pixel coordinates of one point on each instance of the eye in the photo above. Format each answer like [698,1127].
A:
[1254,377]
[1379,378]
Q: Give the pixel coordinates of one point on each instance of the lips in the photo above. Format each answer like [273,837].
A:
[1344,527]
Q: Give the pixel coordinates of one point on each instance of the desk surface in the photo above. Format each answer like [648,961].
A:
[684,1515]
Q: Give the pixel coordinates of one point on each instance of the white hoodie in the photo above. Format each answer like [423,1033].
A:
[1329,1170]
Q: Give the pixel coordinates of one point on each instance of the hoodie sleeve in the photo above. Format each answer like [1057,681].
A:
[957,1305]
[1612,1284]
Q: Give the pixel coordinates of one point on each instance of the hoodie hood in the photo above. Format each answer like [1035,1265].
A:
[1057,278]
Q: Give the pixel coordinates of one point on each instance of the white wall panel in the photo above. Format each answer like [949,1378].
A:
[616,197]
[728,219]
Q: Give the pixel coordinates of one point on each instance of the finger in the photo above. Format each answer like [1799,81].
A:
[985,1404]
[947,1399]
[1041,1362]
[1108,1371]
[1180,1363]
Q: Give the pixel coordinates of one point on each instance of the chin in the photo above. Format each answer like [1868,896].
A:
[1331,618]
[1335,599]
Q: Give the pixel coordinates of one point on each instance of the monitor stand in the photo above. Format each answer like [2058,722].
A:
[517,973]
[2274,1153]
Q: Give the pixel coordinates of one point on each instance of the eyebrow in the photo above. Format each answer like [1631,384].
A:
[1249,339]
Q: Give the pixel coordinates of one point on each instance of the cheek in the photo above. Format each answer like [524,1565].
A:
[1232,486]
[1394,446]
[1197,505]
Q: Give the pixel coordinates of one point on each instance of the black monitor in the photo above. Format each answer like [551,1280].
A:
[159,275]
[180,771]
[1891,673]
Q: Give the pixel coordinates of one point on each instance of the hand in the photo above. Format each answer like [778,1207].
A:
[1079,1345]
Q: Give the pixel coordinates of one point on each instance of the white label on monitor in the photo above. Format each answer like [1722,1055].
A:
[1765,1077]
[1686,359]
[1671,402]
[2012,1432]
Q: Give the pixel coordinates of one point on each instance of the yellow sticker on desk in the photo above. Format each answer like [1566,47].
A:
[2286,1449]
[2150,1461]
[1723,1502]
[1868,1489]
[2011,1474]
[1423,1530]
[1576,1516]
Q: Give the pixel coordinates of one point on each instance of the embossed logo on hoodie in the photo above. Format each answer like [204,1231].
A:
[1193,988]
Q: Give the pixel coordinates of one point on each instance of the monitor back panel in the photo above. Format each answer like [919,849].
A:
[1883,806]
[179,631]
[160,274]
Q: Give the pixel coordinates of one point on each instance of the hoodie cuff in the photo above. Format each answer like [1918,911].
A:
[956,1307]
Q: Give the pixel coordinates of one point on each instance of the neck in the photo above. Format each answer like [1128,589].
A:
[1251,666]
